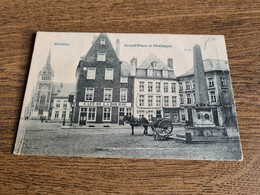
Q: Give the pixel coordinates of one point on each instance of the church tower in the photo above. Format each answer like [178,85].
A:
[42,98]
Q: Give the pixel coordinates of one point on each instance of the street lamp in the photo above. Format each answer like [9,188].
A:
[64,120]
[71,101]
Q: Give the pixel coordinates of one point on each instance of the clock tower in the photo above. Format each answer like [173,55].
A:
[42,97]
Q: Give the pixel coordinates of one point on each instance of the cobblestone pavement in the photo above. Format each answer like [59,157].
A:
[50,139]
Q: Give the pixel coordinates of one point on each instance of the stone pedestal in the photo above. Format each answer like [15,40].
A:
[208,131]
[204,117]
[204,125]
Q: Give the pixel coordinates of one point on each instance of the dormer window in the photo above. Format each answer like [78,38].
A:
[154,64]
[102,41]
[149,72]
[165,73]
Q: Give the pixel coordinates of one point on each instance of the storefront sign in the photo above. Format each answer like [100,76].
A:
[105,104]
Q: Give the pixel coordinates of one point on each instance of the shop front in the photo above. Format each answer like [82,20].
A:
[103,112]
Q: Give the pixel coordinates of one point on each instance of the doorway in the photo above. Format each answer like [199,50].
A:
[121,115]
[215,117]
[190,118]
[82,118]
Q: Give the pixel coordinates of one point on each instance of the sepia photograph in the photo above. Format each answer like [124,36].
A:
[115,95]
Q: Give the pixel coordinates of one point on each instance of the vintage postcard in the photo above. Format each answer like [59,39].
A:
[158,96]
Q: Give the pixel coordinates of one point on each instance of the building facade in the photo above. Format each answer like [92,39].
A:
[41,103]
[104,85]
[155,90]
[219,92]
[47,95]
[61,107]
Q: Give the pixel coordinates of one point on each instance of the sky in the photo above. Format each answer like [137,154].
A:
[67,48]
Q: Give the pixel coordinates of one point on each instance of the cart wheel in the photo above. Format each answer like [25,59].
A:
[166,126]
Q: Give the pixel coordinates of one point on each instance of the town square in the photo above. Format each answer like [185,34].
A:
[52,139]
[140,106]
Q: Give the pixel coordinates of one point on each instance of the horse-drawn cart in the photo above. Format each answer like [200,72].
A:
[162,128]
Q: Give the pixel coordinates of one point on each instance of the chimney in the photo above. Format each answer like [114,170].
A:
[117,47]
[133,66]
[170,63]
[94,40]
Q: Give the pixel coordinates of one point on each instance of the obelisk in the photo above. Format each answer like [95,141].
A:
[203,110]
[201,90]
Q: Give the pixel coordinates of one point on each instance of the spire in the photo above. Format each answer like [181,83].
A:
[48,62]
[47,70]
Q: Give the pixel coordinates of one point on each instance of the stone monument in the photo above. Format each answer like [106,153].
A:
[204,113]
[204,125]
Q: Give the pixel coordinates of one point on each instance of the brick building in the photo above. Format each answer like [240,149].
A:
[104,85]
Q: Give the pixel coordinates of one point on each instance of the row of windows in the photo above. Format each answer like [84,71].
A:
[150,87]
[187,85]
[58,104]
[91,73]
[150,115]
[63,114]
[108,94]
[189,98]
[107,112]
[157,100]
[46,78]
[91,113]
[222,81]
[150,73]
[211,84]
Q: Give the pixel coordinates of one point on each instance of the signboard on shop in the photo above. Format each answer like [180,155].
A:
[105,104]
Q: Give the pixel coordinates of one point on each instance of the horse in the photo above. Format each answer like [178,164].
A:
[135,122]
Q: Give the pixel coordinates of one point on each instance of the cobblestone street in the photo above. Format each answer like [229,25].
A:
[50,139]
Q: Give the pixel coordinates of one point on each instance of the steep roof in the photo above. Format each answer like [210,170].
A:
[96,44]
[210,65]
[151,58]
[63,89]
